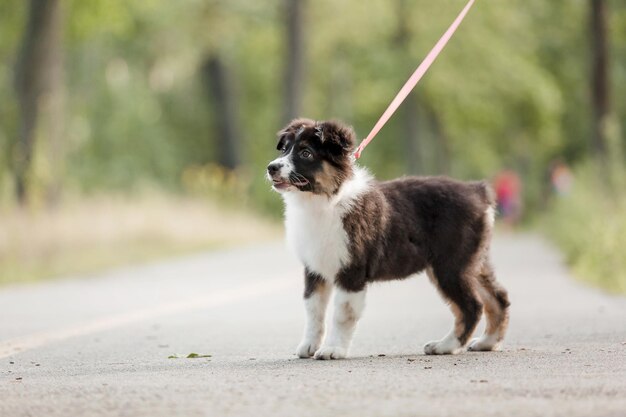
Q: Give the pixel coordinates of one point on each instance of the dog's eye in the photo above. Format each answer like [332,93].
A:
[283,149]
[305,154]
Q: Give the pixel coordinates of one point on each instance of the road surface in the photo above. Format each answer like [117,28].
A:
[99,345]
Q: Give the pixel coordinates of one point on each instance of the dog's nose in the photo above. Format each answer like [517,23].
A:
[273,168]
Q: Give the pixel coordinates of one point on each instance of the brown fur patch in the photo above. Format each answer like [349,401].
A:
[329,179]
[313,283]
[496,303]
[349,316]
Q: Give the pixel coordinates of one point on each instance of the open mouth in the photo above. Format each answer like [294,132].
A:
[281,184]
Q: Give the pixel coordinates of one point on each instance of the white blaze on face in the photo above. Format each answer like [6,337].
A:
[286,166]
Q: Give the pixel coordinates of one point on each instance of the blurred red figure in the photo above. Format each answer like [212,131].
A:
[508,192]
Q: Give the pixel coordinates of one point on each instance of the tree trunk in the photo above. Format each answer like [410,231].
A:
[411,134]
[221,92]
[38,85]
[600,79]
[53,111]
[294,68]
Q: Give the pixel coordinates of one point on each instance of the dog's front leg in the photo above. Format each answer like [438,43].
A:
[349,306]
[316,294]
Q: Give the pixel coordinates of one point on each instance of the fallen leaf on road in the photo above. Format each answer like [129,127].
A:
[197,355]
[192,355]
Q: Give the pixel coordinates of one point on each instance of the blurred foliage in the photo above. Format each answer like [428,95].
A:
[590,226]
[218,183]
[509,91]
[88,234]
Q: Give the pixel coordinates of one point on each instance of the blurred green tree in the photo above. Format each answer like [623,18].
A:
[511,90]
[600,77]
[219,83]
[38,84]
[295,28]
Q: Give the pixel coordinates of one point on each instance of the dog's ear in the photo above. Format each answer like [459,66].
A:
[336,134]
[291,130]
[282,140]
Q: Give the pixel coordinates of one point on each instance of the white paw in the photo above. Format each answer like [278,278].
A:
[483,344]
[307,348]
[445,346]
[331,352]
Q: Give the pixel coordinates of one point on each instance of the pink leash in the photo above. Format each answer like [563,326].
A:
[412,82]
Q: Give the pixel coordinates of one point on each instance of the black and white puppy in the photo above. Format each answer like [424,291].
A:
[350,230]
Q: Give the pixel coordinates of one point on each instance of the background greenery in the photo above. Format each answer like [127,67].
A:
[590,228]
[511,90]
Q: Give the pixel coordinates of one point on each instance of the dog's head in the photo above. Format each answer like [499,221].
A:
[315,157]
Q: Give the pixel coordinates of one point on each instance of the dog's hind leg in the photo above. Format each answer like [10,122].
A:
[458,288]
[496,305]
[316,294]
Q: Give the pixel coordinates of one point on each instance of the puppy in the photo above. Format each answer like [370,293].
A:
[350,230]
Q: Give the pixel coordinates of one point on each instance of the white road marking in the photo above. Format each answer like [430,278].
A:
[215,299]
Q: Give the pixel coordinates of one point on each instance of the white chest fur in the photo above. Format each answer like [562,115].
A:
[314,225]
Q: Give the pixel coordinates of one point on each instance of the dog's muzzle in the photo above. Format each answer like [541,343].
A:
[273,172]
[280,182]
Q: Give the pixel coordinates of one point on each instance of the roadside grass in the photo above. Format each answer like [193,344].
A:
[87,235]
[589,225]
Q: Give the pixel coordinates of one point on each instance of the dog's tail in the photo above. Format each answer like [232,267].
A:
[486,193]
[487,197]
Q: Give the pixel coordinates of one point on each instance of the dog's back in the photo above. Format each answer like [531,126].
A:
[402,226]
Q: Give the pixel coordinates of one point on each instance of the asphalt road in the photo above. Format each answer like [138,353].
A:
[99,345]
